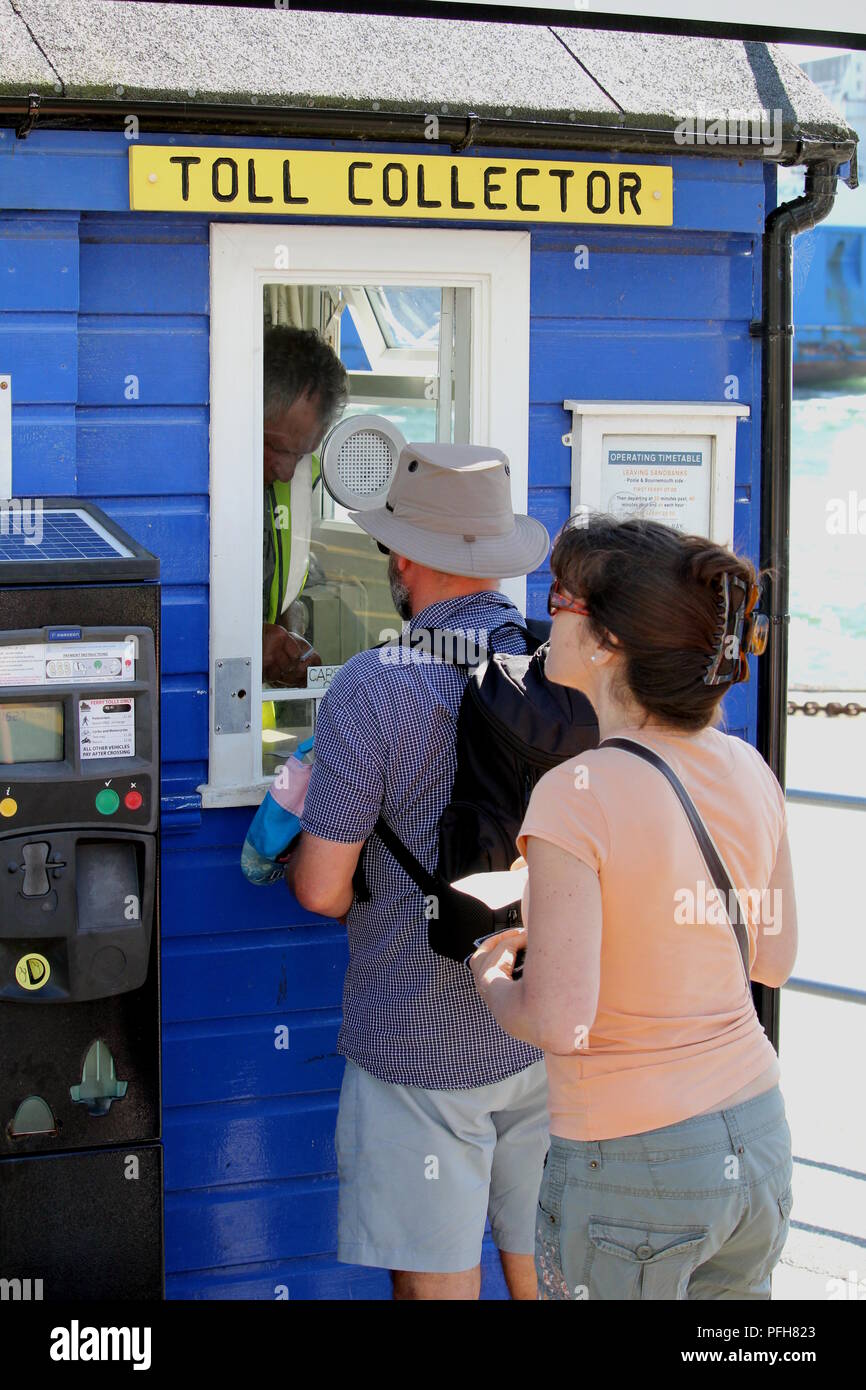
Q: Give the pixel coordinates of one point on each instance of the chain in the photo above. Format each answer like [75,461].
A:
[831,710]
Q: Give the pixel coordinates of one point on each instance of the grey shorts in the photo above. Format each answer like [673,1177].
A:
[420,1171]
[697,1210]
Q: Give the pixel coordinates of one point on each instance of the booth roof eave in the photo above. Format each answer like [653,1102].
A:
[457,130]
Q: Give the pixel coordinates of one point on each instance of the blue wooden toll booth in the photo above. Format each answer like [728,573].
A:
[550,240]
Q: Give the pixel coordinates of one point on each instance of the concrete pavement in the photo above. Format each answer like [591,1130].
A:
[823,1041]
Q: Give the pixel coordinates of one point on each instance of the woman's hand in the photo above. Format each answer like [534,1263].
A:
[495,957]
[492,967]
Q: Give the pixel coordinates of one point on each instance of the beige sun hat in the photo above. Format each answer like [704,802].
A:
[449,507]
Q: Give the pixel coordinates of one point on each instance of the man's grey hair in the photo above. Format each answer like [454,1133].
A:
[297,362]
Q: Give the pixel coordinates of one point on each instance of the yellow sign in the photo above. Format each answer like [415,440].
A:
[32,971]
[338,183]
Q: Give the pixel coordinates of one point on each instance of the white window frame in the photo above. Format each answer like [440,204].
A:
[243,256]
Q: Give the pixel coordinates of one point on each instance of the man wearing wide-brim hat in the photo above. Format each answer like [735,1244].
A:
[443,1116]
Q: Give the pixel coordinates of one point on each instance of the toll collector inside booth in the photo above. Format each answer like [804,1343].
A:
[305,388]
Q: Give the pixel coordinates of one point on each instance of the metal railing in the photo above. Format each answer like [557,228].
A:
[843,992]
[807,798]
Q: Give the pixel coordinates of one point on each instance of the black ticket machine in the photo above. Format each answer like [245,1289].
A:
[80,1157]
[78,725]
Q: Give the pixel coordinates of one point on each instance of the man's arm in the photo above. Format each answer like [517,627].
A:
[345,794]
[320,874]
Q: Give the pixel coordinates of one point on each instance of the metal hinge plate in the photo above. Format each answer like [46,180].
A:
[231,706]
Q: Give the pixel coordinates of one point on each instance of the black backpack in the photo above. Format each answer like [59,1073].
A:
[513,726]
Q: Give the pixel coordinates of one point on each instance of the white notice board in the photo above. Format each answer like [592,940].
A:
[670,461]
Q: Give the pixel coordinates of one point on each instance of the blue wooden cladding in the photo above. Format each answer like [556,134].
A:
[239,1060]
[104,323]
[114,437]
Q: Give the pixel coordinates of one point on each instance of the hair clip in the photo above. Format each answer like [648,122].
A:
[742,632]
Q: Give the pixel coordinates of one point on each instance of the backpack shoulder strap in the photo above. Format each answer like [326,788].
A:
[539,630]
[427,882]
[712,858]
[534,631]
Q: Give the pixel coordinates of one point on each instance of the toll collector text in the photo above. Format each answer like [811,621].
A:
[340,183]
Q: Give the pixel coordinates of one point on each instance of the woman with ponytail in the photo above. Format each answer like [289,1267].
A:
[669,1170]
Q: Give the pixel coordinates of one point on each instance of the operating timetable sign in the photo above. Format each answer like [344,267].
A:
[342,183]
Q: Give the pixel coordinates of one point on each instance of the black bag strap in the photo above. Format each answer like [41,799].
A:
[465,920]
[712,858]
[427,882]
[535,632]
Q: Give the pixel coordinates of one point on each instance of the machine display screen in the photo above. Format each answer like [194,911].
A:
[31,732]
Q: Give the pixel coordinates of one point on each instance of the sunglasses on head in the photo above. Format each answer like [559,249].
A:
[560,601]
[745,633]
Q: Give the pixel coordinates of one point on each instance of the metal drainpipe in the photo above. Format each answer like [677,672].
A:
[781,227]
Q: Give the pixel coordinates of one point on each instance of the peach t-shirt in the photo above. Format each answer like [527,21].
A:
[675,1030]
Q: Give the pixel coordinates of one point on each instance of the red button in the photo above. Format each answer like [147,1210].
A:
[132,801]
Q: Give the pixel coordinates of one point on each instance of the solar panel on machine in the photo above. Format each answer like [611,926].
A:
[58,535]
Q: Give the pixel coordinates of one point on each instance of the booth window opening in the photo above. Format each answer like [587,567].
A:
[425,328]
[404,354]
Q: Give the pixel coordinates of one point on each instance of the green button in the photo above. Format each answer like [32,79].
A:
[107,801]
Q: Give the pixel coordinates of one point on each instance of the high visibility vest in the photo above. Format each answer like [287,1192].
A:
[290,504]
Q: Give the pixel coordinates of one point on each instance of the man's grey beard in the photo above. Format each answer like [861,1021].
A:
[399,593]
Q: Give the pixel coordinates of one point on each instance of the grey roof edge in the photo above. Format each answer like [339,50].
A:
[616,83]
[22,62]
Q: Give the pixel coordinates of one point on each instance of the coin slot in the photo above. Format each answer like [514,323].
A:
[99,1086]
[33,1116]
[107,878]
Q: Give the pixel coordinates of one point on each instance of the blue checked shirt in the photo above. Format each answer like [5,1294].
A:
[386,743]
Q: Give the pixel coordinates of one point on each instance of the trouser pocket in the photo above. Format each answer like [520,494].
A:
[628,1261]
[780,1209]
[552,1283]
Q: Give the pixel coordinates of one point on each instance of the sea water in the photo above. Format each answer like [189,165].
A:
[827,642]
